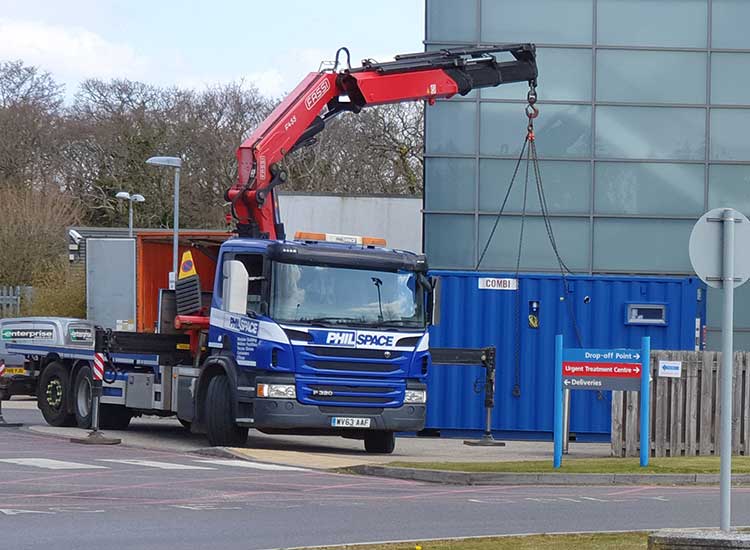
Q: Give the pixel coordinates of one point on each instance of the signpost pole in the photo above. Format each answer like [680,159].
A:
[645,399]
[726,367]
[558,427]
[566,420]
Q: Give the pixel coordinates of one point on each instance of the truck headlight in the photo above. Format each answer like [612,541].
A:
[415,396]
[276,391]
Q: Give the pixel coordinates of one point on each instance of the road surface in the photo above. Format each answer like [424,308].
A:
[56,494]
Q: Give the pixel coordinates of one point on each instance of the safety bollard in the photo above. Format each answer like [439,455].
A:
[95,437]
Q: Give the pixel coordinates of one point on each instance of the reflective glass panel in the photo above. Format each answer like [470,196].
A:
[650,132]
[452,21]
[449,240]
[571,236]
[729,185]
[679,23]
[714,307]
[565,75]
[566,184]
[730,78]
[649,188]
[451,127]
[563,130]
[641,76]
[450,184]
[642,245]
[729,22]
[729,134]
[741,340]
[544,22]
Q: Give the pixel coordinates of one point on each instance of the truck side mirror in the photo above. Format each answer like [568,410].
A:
[234,289]
[436,283]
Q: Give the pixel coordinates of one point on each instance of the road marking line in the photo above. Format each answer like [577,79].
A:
[156,464]
[51,464]
[18,511]
[248,464]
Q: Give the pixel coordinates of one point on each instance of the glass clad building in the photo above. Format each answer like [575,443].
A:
[645,114]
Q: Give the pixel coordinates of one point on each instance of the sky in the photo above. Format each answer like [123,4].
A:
[193,43]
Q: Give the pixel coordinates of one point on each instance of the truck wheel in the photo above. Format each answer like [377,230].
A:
[220,426]
[185,423]
[82,397]
[114,417]
[380,442]
[53,395]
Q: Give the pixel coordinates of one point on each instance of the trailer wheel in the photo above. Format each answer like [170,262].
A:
[220,426]
[54,394]
[114,417]
[380,442]
[82,397]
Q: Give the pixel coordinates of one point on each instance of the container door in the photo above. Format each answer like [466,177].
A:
[110,282]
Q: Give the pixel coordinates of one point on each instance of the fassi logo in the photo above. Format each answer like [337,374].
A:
[313,97]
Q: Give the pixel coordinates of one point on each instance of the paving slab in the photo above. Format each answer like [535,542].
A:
[695,539]
[324,452]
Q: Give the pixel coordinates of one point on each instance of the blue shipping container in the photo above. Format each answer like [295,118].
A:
[478,310]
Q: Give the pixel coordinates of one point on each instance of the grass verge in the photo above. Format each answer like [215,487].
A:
[620,541]
[676,465]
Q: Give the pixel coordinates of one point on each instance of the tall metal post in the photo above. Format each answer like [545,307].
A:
[130,218]
[728,220]
[566,420]
[558,406]
[175,245]
[645,400]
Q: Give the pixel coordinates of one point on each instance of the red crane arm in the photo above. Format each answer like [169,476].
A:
[294,122]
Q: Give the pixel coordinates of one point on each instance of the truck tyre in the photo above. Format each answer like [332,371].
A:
[53,395]
[82,397]
[220,426]
[114,417]
[380,442]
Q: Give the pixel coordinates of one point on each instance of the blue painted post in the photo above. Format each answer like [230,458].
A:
[645,399]
[558,427]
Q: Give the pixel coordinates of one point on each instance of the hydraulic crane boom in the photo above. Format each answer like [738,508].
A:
[323,95]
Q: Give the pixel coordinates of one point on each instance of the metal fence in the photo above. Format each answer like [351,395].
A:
[12,299]
[686,411]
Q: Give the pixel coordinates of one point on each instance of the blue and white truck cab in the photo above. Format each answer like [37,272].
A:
[316,338]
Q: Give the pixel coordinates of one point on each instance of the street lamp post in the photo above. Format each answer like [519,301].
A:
[124,195]
[176,163]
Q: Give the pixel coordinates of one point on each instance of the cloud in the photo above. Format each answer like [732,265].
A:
[269,82]
[71,54]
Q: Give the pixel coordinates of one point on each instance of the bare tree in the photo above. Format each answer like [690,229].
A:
[33,232]
[30,102]
[376,151]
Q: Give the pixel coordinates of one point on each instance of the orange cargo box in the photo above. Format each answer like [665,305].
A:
[154,262]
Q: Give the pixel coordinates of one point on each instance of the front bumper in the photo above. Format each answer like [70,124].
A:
[289,415]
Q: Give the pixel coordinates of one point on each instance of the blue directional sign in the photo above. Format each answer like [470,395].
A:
[602,369]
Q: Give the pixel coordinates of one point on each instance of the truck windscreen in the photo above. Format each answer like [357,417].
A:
[336,295]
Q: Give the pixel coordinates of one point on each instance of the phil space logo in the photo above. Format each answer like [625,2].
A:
[245,325]
[342,338]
